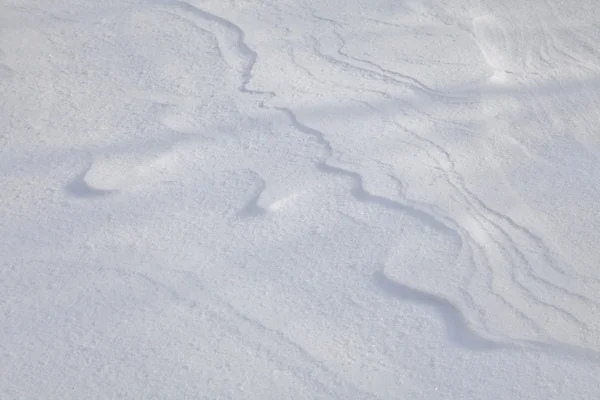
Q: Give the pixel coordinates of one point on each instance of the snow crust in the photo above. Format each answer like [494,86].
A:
[297,199]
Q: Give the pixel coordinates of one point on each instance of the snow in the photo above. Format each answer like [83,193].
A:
[299,199]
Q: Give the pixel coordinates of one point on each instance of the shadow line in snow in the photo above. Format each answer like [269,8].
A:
[247,55]
[459,332]
[79,188]
[358,191]
[457,328]
[252,208]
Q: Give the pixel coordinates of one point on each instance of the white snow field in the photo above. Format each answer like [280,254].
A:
[300,199]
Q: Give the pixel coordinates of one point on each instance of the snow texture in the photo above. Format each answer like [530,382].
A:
[298,199]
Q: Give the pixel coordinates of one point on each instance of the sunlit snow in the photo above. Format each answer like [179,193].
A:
[300,199]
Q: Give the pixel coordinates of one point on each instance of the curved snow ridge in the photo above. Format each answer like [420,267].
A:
[527,285]
[511,49]
[395,77]
[123,172]
[457,328]
[78,187]
[459,331]
[6,72]
[357,190]
[333,48]
[252,207]
[530,286]
[368,76]
[236,52]
[493,40]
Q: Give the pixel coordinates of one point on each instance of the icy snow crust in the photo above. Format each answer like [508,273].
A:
[294,199]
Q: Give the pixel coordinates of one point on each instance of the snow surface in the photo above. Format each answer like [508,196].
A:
[299,199]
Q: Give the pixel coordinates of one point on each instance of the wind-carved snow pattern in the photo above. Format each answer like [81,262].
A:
[510,273]
[290,199]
